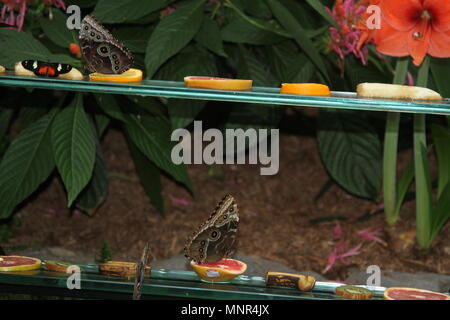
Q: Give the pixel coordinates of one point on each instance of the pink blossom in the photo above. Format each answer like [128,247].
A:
[180,201]
[340,253]
[345,40]
[337,231]
[372,234]
[13,11]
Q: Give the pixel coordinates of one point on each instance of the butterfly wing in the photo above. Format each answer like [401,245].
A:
[102,52]
[217,237]
[140,272]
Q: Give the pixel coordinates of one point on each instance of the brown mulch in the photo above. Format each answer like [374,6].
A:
[275,215]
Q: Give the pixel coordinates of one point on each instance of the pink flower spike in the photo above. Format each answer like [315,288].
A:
[372,234]
[330,261]
[351,252]
[337,231]
[51,211]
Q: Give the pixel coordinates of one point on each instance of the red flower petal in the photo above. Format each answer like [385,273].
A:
[401,14]
[390,41]
[440,13]
[440,44]
[419,41]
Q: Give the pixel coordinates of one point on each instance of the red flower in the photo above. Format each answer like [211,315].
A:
[412,27]
[75,50]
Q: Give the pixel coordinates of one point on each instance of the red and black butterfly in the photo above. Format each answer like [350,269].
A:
[46,69]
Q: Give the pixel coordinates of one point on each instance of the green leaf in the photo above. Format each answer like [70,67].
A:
[440,68]
[441,213]
[288,21]
[172,34]
[240,30]
[320,8]
[56,29]
[257,9]
[94,194]
[74,147]
[120,11]
[403,185]
[17,46]
[209,36]
[351,152]
[149,176]
[134,38]
[182,112]
[81,3]
[27,163]
[29,115]
[5,120]
[102,122]
[109,105]
[441,139]
[151,134]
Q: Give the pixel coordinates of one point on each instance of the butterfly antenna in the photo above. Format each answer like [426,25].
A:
[140,273]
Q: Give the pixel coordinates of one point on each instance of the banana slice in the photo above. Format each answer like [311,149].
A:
[395,91]
[2,69]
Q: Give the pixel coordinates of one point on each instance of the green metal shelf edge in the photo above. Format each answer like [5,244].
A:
[158,287]
[259,95]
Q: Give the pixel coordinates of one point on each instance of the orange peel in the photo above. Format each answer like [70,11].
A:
[218,83]
[131,75]
[307,89]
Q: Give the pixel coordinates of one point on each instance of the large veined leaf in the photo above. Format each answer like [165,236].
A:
[5,119]
[151,134]
[27,163]
[134,38]
[320,8]
[16,46]
[351,152]
[81,3]
[240,30]
[209,36]
[149,176]
[257,9]
[182,111]
[56,29]
[73,147]
[288,21]
[94,194]
[109,105]
[440,69]
[172,34]
[120,11]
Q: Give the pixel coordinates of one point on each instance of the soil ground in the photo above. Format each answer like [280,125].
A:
[275,215]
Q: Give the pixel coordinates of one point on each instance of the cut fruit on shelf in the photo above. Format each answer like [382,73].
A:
[307,89]
[404,293]
[121,269]
[218,83]
[356,293]
[19,263]
[395,91]
[131,75]
[222,270]
[2,69]
[56,265]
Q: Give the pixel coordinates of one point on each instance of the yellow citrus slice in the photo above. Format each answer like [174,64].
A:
[404,293]
[19,263]
[307,89]
[131,75]
[218,83]
[222,270]
[2,69]
[353,292]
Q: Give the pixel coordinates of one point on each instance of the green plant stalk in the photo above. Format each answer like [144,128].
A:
[423,191]
[391,208]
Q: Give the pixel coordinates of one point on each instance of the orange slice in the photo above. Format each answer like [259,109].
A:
[307,89]
[405,293]
[131,75]
[2,69]
[222,270]
[19,263]
[218,83]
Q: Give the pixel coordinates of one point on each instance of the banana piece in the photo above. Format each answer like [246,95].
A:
[2,69]
[395,91]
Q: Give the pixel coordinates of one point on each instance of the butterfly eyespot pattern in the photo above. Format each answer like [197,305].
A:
[216,238]
[101,51]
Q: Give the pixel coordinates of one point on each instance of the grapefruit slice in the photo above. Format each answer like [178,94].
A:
[131,75]
[218,83]
[19,263]
[356,293]
[404,293]
[307,89]
[2,69]
[222,270]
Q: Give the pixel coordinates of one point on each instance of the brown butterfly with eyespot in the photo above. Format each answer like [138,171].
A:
[101,51]
[216,238]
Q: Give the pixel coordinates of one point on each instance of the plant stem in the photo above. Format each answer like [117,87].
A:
[423,190]
[390,152]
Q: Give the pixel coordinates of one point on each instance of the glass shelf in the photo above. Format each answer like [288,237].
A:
[260,95]
[168,284]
